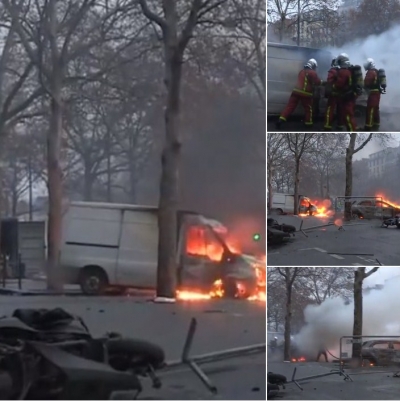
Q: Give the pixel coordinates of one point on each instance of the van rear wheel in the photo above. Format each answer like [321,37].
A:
[93,280]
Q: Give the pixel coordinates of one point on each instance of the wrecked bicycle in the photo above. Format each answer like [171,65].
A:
[50,354]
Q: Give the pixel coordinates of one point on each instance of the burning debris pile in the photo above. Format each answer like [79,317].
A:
[202,245]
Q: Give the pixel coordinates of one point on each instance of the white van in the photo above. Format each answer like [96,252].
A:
[284,204]
[115,245]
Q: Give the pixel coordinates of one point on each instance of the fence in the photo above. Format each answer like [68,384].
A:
[193,362]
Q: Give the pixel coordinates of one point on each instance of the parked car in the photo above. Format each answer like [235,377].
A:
[371,208]
[381,352]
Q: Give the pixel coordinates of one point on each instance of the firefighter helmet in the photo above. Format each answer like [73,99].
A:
[369,64]
[312,64]
[334,62]
[343,60]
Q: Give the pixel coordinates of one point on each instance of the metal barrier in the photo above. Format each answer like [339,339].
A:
[306,378]
[193,361]
[394,354]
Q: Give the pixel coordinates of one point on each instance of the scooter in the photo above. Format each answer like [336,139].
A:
[50,354]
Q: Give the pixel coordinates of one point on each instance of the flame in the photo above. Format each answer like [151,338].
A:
[300,359]
[323,208]
[201,243]
[384,199]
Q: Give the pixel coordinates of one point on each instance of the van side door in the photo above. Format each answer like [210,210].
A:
[138,248]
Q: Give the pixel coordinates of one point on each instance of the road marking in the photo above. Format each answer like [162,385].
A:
[320,250]
[357,264]
[306,249]
[336,256]
[366,259]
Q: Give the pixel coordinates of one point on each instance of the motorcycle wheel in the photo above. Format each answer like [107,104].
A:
[125,353]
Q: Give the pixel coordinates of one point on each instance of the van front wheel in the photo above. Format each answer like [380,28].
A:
[93,280]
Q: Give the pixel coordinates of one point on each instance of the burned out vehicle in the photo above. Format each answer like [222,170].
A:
[371,208]
[381,352]
[109,245]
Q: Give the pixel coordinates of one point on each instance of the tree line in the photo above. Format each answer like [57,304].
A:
[325,23]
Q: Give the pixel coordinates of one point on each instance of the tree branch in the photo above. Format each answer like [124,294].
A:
[153,16]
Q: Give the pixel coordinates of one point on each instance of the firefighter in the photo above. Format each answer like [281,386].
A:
[303,92]
[372,83]
[347,95]
[322,352]
[332,96]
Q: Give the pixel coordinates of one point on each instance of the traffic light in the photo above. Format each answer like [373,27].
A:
[256,237]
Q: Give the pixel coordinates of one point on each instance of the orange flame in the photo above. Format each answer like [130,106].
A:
[322,208]
[200,242]
[384,199]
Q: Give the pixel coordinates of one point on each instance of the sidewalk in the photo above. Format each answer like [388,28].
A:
[34,287]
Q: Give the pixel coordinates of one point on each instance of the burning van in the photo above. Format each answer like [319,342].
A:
[112,245]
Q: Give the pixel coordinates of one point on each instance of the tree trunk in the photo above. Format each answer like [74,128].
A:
[288,318]
[55,182]
[132,184]
[169,184]
[358,311]
[88,184]
[296,186]
[321,185]
[2,194]
[269,186]
[349,175]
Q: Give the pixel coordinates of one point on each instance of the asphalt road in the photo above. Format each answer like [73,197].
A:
[222,324]
[361,243]
[389,123]
[367,384]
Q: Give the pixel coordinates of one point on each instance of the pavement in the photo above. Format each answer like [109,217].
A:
[222,324]
[368,384]
[362,242]
[389,123]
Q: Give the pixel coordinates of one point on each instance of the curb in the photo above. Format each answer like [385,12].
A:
[9,291]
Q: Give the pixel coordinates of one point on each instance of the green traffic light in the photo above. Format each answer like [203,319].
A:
[256,237]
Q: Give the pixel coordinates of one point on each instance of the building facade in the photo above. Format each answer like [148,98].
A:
[383,161]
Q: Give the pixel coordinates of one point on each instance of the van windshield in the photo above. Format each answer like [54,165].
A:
[207,242]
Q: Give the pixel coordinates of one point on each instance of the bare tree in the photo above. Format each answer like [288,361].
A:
[276,155]
[175,44]
[355,144]
[298,144]
[323,283]
[284,14]
[327,153]
[58,39]
[359,276]
[290,274]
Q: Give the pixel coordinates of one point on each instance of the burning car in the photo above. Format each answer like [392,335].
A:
[371,208]
[381,352]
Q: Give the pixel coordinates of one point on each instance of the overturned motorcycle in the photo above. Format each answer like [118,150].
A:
[393,221]
[50,354]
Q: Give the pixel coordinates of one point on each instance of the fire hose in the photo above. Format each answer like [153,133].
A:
[332,355]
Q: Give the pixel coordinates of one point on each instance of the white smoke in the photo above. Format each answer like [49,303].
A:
[384,49]
[326,323]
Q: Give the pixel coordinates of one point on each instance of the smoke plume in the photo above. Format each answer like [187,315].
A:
[333,319]
[384,49]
